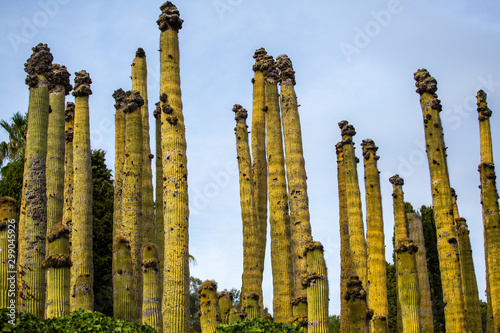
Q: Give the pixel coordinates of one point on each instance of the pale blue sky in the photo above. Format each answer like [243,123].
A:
[353,60]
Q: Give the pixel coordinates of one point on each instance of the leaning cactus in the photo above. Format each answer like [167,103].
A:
[7,253]
[209,307]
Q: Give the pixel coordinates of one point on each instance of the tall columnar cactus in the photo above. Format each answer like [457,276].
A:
[151,304]
[119,96]
[469,282]
[34,194]
[132,189]
[377,275]
[69,121]
[209,307]
[123,292]
[139,83]
[359,314]
[491,217]
[159,231]
[251,262]
[345,251]
[7,252]
[416,233]
[59,87]
[57,264]
[441,198]
[259,164]
[175,306]
[279,220]
[82,270]
[357,240]
[300,225]
[225,305]
[316,283]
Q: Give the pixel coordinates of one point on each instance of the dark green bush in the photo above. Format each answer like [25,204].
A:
[258,325]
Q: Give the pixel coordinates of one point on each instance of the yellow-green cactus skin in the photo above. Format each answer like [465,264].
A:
[259,159]
[235,316]
[316,283]
[377,275]
[209,307]
[139,83]
[491,218]
[82,270]
[159,231]
[251,262]
[447,243]
[359,314]
[469,282]
[33,228]
[300,226]
[225,305]
[408,293]
[132,189]
[416,233]
[279,220]
[123,292]
[175,304]
[345,251]
[69,121]
[57,264]
[8,226]
[357,242]
[151,304]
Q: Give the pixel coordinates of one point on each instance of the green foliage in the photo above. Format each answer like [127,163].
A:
[11,180]
[194,303]
[78,321]
[334,324]
[102,229]
[484,314]
[258,325]
[14,148]
[392,317]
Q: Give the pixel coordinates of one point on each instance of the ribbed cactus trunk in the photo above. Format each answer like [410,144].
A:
[406,266]
[69,121]
[259,161]
[8,226]
[159,231]
[300,226]
[469,282]
[175,304]
[235,315]
[139,83]
[251,262]
[132,190]
[82,270]
[123,291]
[345,251]
[359,314]
[57,264]
[447,243]
[151,305]
[377,275]
[416,233]
[357,242]
[225,305]
[34,194]
[316,283]
[491,218]
[209,307]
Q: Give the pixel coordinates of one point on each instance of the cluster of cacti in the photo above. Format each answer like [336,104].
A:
[209,306]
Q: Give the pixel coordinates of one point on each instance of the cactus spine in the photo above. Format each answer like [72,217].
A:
[225,304]
[259,166]
[81,233]
[316,283]
[69,120]
[151,305]
[489,199]
[139,83]
[159,231]
[175,304]
[33,227]
[279,219]
[416,233]
[57,264]
[251,268]
[7,253]
[377,276]
[209,307]
[345,252]
[359,315]
[123,291]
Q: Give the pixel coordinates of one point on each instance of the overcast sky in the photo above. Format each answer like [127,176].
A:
[353,60]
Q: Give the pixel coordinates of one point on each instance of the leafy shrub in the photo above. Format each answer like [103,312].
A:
[78,321]
[257,326]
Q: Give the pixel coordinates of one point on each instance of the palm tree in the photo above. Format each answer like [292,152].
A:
[14,148]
